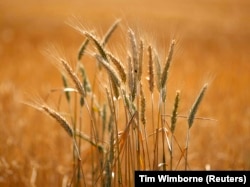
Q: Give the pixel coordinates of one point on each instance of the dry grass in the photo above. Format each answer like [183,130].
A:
[212,45]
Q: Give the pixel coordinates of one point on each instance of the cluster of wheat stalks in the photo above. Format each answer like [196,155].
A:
[117,111]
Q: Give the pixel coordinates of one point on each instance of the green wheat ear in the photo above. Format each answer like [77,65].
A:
[82,49]
[195,106]
[65,84]
[175,113]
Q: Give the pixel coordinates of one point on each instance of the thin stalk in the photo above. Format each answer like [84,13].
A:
[186,148]
[163,142]
[171,152]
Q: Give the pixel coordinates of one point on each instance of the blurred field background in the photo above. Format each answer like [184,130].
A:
[213,46]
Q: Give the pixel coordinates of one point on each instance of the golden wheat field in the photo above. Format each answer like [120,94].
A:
[212,46]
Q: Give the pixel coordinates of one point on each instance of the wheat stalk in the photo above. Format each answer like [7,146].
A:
[191,117]
[173,125]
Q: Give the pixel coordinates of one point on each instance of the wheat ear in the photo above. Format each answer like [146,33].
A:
[150,70]
[111,71]
[119,66]
[110,32]
[174,112]
[59,118]
[167,65]
[195,106]
[74,78]
[82,48]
